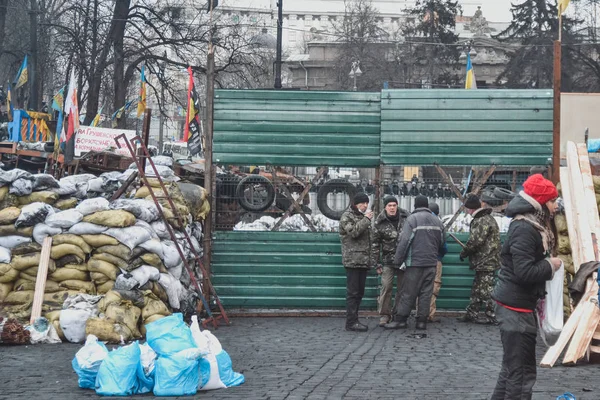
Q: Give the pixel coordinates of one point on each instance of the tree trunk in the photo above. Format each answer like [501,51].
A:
[117,30]
[119,56]
[3,11]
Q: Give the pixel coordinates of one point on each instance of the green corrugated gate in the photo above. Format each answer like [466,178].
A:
[296,128]
[466,127]
[396,127]
[304,270]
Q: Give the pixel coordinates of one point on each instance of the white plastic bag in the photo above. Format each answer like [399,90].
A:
[90,206]
[550,309]
[64,219]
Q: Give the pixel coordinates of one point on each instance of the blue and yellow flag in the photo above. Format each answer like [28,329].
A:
[96,120]
[9,107]
[59,100]
[119,113]
[21,78]
[142,97]
[470,82]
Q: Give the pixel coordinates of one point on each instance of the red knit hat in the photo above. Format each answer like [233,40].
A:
[540,188]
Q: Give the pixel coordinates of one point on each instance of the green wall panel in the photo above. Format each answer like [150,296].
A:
[304,270]
[466,127]
[309,128]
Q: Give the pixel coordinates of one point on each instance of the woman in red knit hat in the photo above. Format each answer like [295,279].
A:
[526,266]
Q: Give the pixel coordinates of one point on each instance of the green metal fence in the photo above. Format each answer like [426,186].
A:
[466,127]
[296,128]
[304,270]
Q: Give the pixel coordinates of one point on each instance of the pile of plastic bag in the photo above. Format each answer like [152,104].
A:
[176,361]
[98,247]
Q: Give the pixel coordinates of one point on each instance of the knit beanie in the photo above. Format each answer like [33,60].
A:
[472,202]
[421,201]
[360,198]
[389,199]
[435,208]
[540,188]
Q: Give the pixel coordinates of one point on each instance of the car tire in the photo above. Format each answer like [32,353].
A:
[504,194]
[334,185]
[251,181]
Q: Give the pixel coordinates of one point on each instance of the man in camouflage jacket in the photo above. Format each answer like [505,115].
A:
[386,230]
[483,250]
[355,235]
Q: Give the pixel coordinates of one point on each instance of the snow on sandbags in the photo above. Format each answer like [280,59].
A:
[131,236]
[14,240]
[154,246]
[33,213]
[41,231]
[143,209]
[76,311]
[4,255]
[21,187]
[44,182]
[161,229]
[174,289]
[64,219]
[87,228]
[90,206]
[7,177]
[145,273]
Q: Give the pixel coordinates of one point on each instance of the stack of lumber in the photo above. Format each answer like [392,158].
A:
[583,223]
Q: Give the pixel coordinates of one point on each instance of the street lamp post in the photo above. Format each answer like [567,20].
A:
[355,72]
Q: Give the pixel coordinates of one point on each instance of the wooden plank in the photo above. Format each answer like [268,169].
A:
[581,210]
[589,193]
[572,227]
[595,349]
[590,318]
[40,282]
[569,328]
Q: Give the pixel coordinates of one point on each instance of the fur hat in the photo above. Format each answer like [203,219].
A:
[472,202]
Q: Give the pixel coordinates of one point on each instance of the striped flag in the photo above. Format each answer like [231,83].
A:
[142,97]
[96,120]
[470,82]
[71,109]
[21,78]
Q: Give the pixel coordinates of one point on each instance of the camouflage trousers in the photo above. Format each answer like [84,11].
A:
[481,294]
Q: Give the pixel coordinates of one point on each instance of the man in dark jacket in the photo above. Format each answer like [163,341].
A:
[526,266]
[355,235]
[419,245]
[483,251]
[386,230]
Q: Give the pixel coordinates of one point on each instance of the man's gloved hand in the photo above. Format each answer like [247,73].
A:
[462,256]
[379,270]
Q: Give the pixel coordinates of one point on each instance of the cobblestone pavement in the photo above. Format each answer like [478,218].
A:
[314,358]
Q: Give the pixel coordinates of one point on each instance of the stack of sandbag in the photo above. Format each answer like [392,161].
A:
[174,193]
[563,247]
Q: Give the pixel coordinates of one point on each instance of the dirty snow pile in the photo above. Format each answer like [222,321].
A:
[295,223]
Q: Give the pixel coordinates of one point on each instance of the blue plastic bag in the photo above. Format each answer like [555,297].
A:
[169,335]
[177,374]
[226,373]
[119,373]
[91,355]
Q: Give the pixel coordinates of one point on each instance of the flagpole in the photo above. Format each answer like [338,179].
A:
[556,102]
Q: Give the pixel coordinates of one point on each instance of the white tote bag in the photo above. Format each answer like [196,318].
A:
[550,309]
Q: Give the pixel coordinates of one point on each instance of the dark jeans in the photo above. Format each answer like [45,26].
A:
[418,282]
[356,278]
[518,332]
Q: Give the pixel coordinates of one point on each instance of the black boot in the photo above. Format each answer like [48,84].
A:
[357,328]
[398,323]
[421,324]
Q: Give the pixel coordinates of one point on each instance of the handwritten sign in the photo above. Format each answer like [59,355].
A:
[89,138]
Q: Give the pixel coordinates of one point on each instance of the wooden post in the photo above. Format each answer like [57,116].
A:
[145,134]
[208,162]
[556,111]
[40,281]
